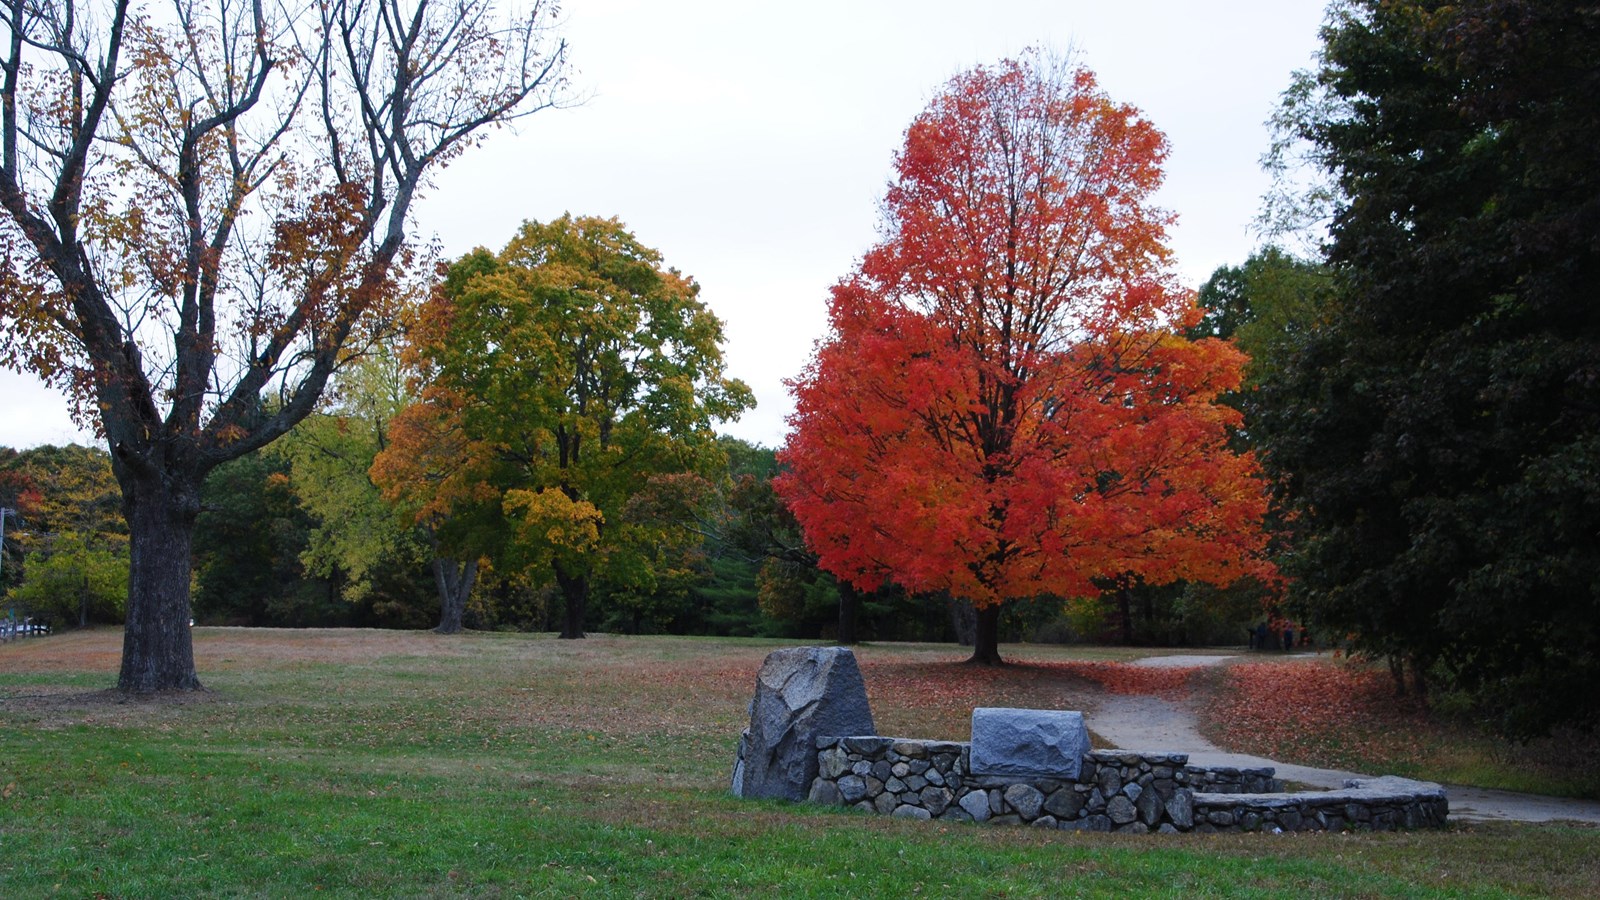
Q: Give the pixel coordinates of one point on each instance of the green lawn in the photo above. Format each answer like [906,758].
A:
[368,763]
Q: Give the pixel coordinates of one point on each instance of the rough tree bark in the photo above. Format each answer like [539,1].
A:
[986,637]
[157,648]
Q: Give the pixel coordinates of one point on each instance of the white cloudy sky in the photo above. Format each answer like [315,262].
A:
[750,143]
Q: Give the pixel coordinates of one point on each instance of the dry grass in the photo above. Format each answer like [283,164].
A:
[371,763]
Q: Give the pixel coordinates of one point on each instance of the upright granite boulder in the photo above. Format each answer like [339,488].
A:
[1029,743]
[802,693]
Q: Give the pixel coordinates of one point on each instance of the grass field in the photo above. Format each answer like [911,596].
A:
[369,763]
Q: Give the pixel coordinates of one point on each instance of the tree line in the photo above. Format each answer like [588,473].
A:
[1388,436]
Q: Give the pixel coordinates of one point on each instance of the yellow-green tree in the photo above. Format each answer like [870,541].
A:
[579,380]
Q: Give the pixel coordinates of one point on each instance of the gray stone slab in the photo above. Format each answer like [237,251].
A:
[1030,743]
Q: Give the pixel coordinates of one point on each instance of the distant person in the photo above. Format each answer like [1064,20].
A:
[1261,636]
[1288,639]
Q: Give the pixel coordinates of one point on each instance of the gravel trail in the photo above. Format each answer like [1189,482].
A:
[1156,723]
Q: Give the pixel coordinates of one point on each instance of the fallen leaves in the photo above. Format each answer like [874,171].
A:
[1315,713]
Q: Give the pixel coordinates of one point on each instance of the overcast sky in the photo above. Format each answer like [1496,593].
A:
[750,143]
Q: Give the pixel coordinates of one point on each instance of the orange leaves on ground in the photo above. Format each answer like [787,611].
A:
[1314,713]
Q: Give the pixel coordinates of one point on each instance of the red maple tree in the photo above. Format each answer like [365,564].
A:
[1004,408]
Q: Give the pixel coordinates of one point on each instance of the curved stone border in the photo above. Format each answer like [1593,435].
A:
[1363,804]
[1116,790]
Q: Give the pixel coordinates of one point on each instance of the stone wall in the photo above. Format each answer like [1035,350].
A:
[1115,790]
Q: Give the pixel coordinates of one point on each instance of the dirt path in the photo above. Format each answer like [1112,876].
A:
[1155,723]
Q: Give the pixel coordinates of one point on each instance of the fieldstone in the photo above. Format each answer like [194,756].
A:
[912,749]
[861,767]
[1290,819]
[1065,803]
[997,801]
[833,763]
[885,803]
[915,782]
[852,788]
[895,785]
[1099,823]
[802,693]
[1180,809]
[866,744]
[1036,743]
[1045,822]
[825,792]
[933,776]
[1133,828]
[919,766]
[1025,799]
[1250,821]
[1220,817]
[900,769]
[911,812]
[1149,807]
[1166,828]
[1008,819]
[1132,791]
[936,799]
[976,805]
[865,806]
[882,771]
[1109,781]
[1121,810]
[874,786]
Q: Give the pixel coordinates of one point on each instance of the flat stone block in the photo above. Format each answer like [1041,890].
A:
[1030,743]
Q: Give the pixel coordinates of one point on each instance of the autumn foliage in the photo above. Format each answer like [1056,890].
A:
[1003,408]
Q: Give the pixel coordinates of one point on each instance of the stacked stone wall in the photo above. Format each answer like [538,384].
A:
[1115,790]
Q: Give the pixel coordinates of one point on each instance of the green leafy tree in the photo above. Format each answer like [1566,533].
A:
[577,375]
[1437,434]
[249,539]
[66,503]
[75,580]
[1265,306]
[356,539]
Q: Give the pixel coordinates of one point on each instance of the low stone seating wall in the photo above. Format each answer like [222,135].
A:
[1116,790]
[1366,804]
[1023,766]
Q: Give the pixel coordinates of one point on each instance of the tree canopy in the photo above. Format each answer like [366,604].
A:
[1003,407]
[204,204]
[1437,433]
[575,382]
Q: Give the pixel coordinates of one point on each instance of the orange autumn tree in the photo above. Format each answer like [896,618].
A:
[1004,408]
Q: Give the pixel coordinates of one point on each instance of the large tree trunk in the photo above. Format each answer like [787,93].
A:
[575,590]
[849,609]
[986,637]
[455,580]
[157,646]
